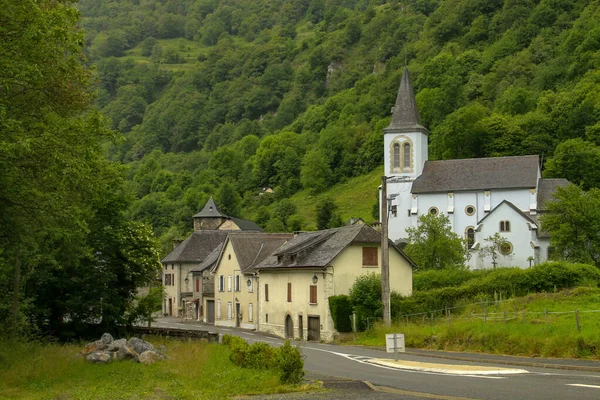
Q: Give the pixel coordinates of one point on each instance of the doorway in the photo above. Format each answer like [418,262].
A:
[210,311]
[289,327]
[237,314]
[300,327]
[314,328]
[170,307]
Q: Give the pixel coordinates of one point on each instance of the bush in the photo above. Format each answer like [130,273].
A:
[239,349]
[435,279]
[341,312]
[260,356]
[291,364]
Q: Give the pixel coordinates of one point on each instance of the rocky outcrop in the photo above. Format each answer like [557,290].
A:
[107,349]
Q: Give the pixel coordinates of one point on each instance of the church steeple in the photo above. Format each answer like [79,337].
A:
[405,114]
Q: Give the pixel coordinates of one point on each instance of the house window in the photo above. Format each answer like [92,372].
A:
[313,294]
[266,292]
[396,155]
[250,312]
[289,292]
[470,237]
[221,283]
[406,148]
[237,283]
[504,226]
[370,256]
[434,211]
[218,309]
[469,210]
[409,212]
[229,256]
[550,252]
[394,211]
[167,279]
[229,283]
[250,286]
[197,285]
[229,310]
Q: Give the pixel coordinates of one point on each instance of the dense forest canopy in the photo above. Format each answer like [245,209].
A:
[226,97]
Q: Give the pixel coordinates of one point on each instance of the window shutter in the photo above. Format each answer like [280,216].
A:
[289,292]
[370,256]
[313,294]
[250,312]
[266,292]
[197,285]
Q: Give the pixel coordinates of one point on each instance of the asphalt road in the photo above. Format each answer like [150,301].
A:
[357,363]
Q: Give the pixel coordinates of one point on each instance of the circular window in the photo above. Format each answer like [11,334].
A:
[469,210]
[433,211]
[506,248]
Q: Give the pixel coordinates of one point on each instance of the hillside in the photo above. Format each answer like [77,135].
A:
[224,98]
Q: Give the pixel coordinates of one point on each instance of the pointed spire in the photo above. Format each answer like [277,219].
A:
[210,210]
[405,114]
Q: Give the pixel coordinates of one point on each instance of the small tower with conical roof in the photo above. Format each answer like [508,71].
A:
[210,218]
[405,138]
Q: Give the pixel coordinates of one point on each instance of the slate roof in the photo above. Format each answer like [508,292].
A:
[210,260]
[252,248]
[478,174]
[318,249]
[246,224]
[546,190]
[405,114]
[210,210]
[197,246]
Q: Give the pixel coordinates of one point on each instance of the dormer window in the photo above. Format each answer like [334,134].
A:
[279,259]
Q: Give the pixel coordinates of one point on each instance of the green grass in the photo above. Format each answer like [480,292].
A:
[194,370]
[355,198]
[530,337]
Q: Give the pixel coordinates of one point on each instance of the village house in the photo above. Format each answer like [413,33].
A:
[183,290]
[296,280]
[235,281]
[480,196]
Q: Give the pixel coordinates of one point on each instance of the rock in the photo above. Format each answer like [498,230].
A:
[139,345]
[117,344]
[98,345]
[125,353]
[98,357]
[149,357]
[107,338]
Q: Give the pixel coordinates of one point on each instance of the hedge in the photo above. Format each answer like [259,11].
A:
[341,312]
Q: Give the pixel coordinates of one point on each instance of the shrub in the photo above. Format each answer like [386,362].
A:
[341,312]
[365,295]
[239,349]
[291,364]
[260,356]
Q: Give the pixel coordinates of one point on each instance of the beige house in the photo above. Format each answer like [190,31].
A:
[235,283]
[184,286]
[298,278]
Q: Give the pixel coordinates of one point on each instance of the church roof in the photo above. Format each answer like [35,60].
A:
[405,114]
[210,210]
[546,191]
[478,174]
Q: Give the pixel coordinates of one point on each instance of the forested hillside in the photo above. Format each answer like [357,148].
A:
[227,97]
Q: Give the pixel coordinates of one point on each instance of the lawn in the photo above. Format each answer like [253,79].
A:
[542,325]
[193,370]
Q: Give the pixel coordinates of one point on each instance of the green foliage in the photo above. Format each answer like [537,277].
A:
[496,247]
[147,306]
[433,245]
[327,216]
[365,296]
[291,363]
[434,279]
[341,312]
[260,355]
[573,221]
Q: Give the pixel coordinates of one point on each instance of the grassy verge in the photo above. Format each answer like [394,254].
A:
[194,370]
[519,327]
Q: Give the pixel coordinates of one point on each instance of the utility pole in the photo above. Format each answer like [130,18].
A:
[385,255]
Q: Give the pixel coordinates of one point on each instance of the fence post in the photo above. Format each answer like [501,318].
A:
[546,315]
[504,317]
[577,320]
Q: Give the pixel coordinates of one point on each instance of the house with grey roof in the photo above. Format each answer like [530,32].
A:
[184,282]
[294,282]
[480,196]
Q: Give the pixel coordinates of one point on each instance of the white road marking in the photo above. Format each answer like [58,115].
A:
[247,334]
[582,385]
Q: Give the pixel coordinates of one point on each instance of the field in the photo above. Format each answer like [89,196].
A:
[193,370]
[542,325]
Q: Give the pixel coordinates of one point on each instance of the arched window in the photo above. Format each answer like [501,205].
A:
[406,148]
[504,226]
[396,155]
[470,234]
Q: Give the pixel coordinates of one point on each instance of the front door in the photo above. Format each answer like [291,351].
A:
[210,311]
[314,328]
[300,327]
[170,307]
[237,314]
[289,327]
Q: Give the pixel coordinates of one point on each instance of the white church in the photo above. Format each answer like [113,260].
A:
[481,196]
